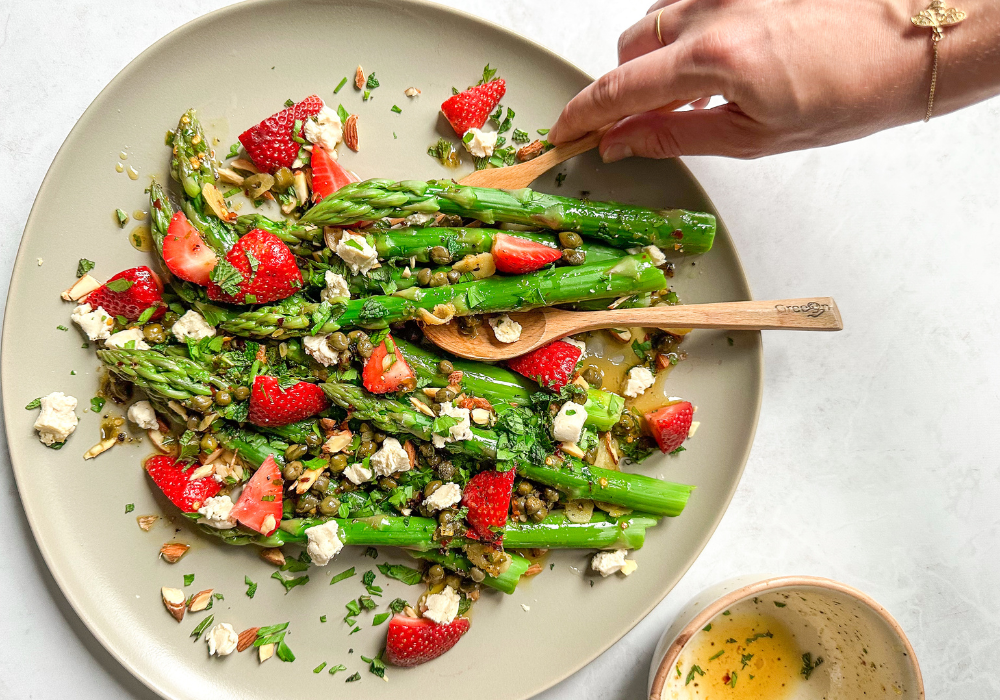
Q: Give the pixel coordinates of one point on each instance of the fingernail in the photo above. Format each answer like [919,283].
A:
[616,151]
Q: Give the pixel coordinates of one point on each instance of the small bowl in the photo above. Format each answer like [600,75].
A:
[865,652]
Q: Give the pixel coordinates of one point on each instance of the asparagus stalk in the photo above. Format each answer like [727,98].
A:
[160,212]
[602,532]
[505,582]
[630,274]
[169,377]
[620,225]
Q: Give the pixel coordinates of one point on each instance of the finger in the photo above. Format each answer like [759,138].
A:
[641,38]
[641,85]
[659,5]
[721,131]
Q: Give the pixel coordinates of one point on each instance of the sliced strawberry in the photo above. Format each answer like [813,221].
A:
[551,365]
[487,496]
[517,256]
[670,424]
[186,253]
[270,405]
[270,144]
[383,374]
[176,484]
[260,498]
[328,175]
[471,109]
[129,293]
[412,641]
[276,275]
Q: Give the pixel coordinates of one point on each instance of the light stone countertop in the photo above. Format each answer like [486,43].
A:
[875,461]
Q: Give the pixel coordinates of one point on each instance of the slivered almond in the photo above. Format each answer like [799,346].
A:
[431,391]
[201,472]
[244,164]
[337,442]
[411,452]
[267,525]
[410,612]
[101,447]
[305,482]
[273,555]
[217,203]
[177,408]
[173,601]
[246,638]
[480,416]
[573,449]
[81,288]
[533,570]
[301,187]
[531,151]
[422,407]
[207,421]
[146,521]
[173,551]
[411,91]
[158,439]
[265,652]
[359,79]
[351,132]
[443,313]
[200,600]
[230,177]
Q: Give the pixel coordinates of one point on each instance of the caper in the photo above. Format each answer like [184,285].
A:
[241,393]
[426,449]
[329,506]
[440,255]
[551,495]
[169,318]
[223,398]
[590,456]
[434,459]
[193,422]
[378,437]
[594,376]
[424,276]
[577,393]
[338,341]
[436,407]
[454,276]
[519,504]
[354,335]
[525,488]
[569,239]
[321,484]
[445,470]
[153,332]
[347,485]
[387,483]
[431,487]
[574,256]
[292,471]
[283,179]
[532,504]
[365,429]
[477,574]
[435,574]
[293,452]
[306,503]
[539,515]
[365,348]
[209,444]
[338,464]
[367,449]
[201,403]
[439,279]
[444,394]
[445,367]
[453,581]
[468,585]
[446,516]
[626,424]
[313,440]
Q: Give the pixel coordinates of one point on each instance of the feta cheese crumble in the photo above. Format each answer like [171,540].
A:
[460,431]
[318,349]
[129,339]
[95,323]
[192,325]
[578,344]
[482,143]
[56,421]
[357,474]
[222,640]
[419,219]
[324,543]
[568,423]
[325,129]
[442,607]
[656,254]
[506,329]
[142,414]
[336,287]
[391,458]
[444,496]
[357,252]
[639,379]
[607,563]
[216,512]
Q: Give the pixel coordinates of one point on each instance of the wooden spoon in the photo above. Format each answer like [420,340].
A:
[543,326]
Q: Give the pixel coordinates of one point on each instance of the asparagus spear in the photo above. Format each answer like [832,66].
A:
[165,376]
[160,212]
[602,532]
[630,274]
[505,582]
[620,225]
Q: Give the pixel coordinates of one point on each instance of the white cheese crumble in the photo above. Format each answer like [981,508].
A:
[639,379]
[222,639]
[442,607]
[578,344]
[142,414]
[336,287]
[482,143]
[318,349]
[325,129]
[216,512]
[444,496]
[607,563]
[324,543]
[506,329]
[357,474]
[460,431]
[95,323]
[355,250]
[56,421]
[568,423]
[656,254]
[525,608]
[192,325]
[129,339]
[390,458]
[419,219]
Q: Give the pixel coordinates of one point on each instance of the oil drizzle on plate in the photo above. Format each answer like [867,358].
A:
[141,238]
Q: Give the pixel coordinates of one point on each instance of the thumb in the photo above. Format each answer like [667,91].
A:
[721,131]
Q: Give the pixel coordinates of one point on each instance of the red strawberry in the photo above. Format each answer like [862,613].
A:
[670,424]
[270,405]
[471,109]
[138,289]
[382,375]
[176,484]
[551,365]
[412,641]
[276,276]
[517,256]
[270,144]
[260,498]
[328,175]
[186,253]
[487,496]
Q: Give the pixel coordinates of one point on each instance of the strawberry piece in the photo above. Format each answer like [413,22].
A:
[276,276]
[176,484]
[471,109]
[382,375]
[411,641]
[670,424]
[260,498]
[270,144]
[139,289]
[185,252]
[517,256]
[487,496]
[551,365]
[328,175]
[270,405]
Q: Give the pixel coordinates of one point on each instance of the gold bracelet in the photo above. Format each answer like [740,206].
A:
[936,17]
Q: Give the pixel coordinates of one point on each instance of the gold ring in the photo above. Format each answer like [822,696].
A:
[658,35]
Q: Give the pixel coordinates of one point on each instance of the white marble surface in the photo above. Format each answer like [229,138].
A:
[875,461]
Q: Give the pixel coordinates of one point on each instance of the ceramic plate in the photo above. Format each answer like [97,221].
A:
[237,66]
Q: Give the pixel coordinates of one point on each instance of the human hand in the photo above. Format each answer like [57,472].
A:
[795,74]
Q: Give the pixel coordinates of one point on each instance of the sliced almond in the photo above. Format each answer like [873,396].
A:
[81,288]
[410,612]
[337,442]
[359,79]
[612,448]
[173,551]
[244,164]
[206,422]
[351,132]
[533,570]
[573,449]
[267,525]
[431,391]
[217,203]
[411,91]
[230,177]
[621,334]
[480,416]
[273,555]
[305,482]
[101,447]
[177,408]
[201,472]
[531,151]
[147,521]
[265,652]
[422,407]
[629,568]
[173,601]
[159,441]
[246,638]
[411,452]
[200,600]
[301,187]
[210,460]
[443,313]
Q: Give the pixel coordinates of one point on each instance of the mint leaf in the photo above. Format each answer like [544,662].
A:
[290,583]
[33,404]
[409,576]
[227,277]
[119,285]
[84,266]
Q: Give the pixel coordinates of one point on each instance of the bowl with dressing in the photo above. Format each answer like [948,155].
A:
[784,638]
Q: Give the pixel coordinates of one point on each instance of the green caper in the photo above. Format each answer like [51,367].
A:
[440,255]
[387,483]
[444,394]
[329,506]
[367,449]
[283,179]
[338,464]
[453,581]
[293,452]
[435,574]
[525,488]
[354,335]
[446,516]
[201,403]
[223,398]
[445,470]
[365,348]
[532,504]
[169,318]
[293,470]
[431,487]
[539,515]
[209,444]
[569,239]
[439,279]
[321,484]
[306,503]
[445,367]
[193,422]
[338,341]
[434,459]
[519,504]
[468,585]
[594,376]
[426,449]
[241,393]
[424,276]
[625,425]
[551,495]
[154,333]
[348,485]
[313,440]
[574,256]
[590,456]
[436,407]
[454,276]
[365,428]
[378,437]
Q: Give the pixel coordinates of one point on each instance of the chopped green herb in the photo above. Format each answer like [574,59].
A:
[732,679]
[202,626]
[727,612]
[342,113]
[289,102]
[338,667]
[355,677]
[677,450]
[251,586]
[356,629]
[122,220]
[320,667]
[398,605]
[234,150]
[488,74]
[779,605]
[119,285]
[284,653]
[372,81]
[367,603]
[520,136]
[745,659]
[61,328]
[97,403]
[560,179]
[227,276]
[129,507]
[542,132]
[808,666]
[717,654]
[380,618]
[730,341]
[371,552]
[367,96]
[730,641]
[146,314]
[230,193]
[342,575]
[707,628]
[188,579]
[33,404]
[290,583]
[396,109]
[409,576]
[454,90]
[322,618]
[690,676]
[759,635]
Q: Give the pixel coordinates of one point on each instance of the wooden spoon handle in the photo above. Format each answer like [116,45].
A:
[812,314]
